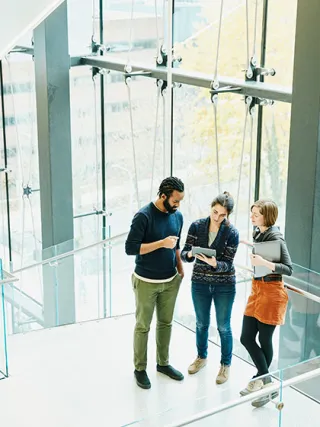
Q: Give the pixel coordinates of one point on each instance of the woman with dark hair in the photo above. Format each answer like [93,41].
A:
[267,303]
[213,279]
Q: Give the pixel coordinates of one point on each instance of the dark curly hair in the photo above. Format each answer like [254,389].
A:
[169,185]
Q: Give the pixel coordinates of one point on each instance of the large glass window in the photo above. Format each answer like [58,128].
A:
[196,135]
[83,22]
[22,155]
[135,146]
[86,152]
[274,155]
[134,30]
[197,29]
[3,332]
[211,153]
[280,40]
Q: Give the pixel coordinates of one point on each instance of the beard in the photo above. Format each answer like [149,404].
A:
[168,207]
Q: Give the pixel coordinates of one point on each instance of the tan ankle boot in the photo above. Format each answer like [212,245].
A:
[197,365]
[223,374]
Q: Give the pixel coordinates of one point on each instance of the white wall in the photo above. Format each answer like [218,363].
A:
[19,16]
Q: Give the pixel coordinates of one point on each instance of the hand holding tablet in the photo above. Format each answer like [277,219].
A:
[196,250]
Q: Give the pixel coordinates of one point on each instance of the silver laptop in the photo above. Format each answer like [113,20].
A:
[270,251]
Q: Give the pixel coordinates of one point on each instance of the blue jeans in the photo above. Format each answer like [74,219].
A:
[223,298]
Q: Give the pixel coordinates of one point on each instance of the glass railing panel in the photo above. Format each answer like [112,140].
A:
[5,279]
[31,273]
[279,405]
[102,286]
[206,412]
[92,282]
[305,279]
[301,400]
[30,283]
[3,340]
[121,268]
[86,239]
[299,336]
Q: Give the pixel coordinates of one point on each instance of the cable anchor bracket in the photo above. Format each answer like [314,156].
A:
[253,72]
[254,102]
[226,89]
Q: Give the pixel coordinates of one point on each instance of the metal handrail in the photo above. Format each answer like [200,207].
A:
[69,253]
[11,278]
[292,288]
[306,294]
[252,396]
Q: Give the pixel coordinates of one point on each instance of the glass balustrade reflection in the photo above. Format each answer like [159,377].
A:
[277,405]
[74,285]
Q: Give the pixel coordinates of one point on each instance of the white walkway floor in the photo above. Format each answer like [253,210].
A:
[82,376]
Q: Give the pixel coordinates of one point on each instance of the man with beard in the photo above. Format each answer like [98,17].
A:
[154,238]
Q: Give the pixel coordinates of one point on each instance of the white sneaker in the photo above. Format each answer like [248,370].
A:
[223,374]
[253,386]
[263,400]
[197,365]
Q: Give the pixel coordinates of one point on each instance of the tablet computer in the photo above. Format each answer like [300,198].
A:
[205,251]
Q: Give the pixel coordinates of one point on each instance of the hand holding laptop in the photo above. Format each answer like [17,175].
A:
[265,254]
[257,260]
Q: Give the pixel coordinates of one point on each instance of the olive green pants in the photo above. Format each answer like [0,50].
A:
[149,296]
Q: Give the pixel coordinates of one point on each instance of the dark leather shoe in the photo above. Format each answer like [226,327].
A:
[170,372]
[142,379]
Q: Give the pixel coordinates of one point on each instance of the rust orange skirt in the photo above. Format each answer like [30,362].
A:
[267,302]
